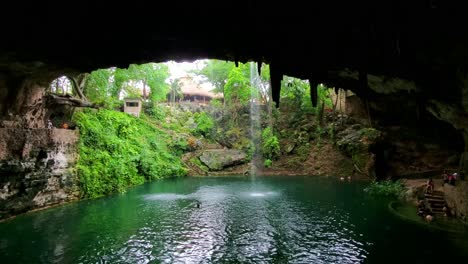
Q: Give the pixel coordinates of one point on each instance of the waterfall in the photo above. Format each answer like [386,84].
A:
[255,123]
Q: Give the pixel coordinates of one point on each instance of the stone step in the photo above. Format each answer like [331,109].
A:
[435,196]
[436,201]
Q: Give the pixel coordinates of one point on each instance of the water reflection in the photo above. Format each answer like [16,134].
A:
[263,221]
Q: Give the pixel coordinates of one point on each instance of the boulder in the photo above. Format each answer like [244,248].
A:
[217,159]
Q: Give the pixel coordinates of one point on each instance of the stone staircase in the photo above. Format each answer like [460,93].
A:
[436,201]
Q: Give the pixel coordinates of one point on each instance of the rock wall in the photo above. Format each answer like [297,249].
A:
[36,168]
[457,198]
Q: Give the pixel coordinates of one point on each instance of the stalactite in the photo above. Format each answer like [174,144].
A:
[276,76]
[259,66]
[363,81]
[313,91]
[363,86]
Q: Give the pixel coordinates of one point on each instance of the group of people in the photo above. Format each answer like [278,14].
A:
[425,211]
[449,178]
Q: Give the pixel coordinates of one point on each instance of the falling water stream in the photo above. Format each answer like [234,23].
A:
[255,121]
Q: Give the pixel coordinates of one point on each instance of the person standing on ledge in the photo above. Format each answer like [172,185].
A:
[430,186]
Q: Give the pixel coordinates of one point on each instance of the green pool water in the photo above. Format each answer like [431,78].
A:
[240,220]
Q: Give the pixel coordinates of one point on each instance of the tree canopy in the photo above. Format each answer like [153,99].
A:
[104,86]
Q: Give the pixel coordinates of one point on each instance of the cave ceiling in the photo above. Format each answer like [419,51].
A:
[422,41]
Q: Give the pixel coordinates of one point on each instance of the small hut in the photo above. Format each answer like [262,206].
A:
[133,106]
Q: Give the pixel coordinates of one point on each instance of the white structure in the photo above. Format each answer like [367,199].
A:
[133,106]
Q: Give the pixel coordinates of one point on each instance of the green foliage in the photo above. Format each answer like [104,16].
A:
[204,122]
[385,188]
[246,145]
[197,162]
[369,133]
[154,75]
[250,150]
[270,144]
[118,150]
[295,89]
[295,162]
[267,163]
[298,92]
[179,144]
[175,90]
[216,103]
[237,91]
[155,110]
[320,132]
[265,73]
[99,88]
[104,86]
[359,158]
[219,73]
[303,151]
[216,72]
[332,133]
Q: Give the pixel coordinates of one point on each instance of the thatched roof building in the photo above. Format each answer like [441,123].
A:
[192,91]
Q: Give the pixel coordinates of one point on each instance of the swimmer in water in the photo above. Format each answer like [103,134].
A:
[429,218]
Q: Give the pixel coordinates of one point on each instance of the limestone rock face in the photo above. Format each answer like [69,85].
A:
[457,198]
[356,142]
[217,159]
[36,169]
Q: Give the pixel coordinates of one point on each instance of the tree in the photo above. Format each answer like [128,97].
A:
[176,90]
[237,91]
[105,86]
[154,76]
[216,72]
[99,87]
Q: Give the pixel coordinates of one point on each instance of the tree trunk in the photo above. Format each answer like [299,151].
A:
[77,85]
[144,89]
[52,99]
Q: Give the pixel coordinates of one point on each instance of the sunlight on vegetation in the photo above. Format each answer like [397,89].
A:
[118,150]
[385,188]
[180,117]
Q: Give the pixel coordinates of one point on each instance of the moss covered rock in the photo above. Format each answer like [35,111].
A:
[217,159]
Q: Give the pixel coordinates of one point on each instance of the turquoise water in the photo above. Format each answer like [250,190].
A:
[240,220]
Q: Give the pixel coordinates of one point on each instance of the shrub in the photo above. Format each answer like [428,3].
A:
[270,144]
[156,111]
[204,123]
[385,188]
[267,163]
[370,133]
[303,151]
[117,150]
